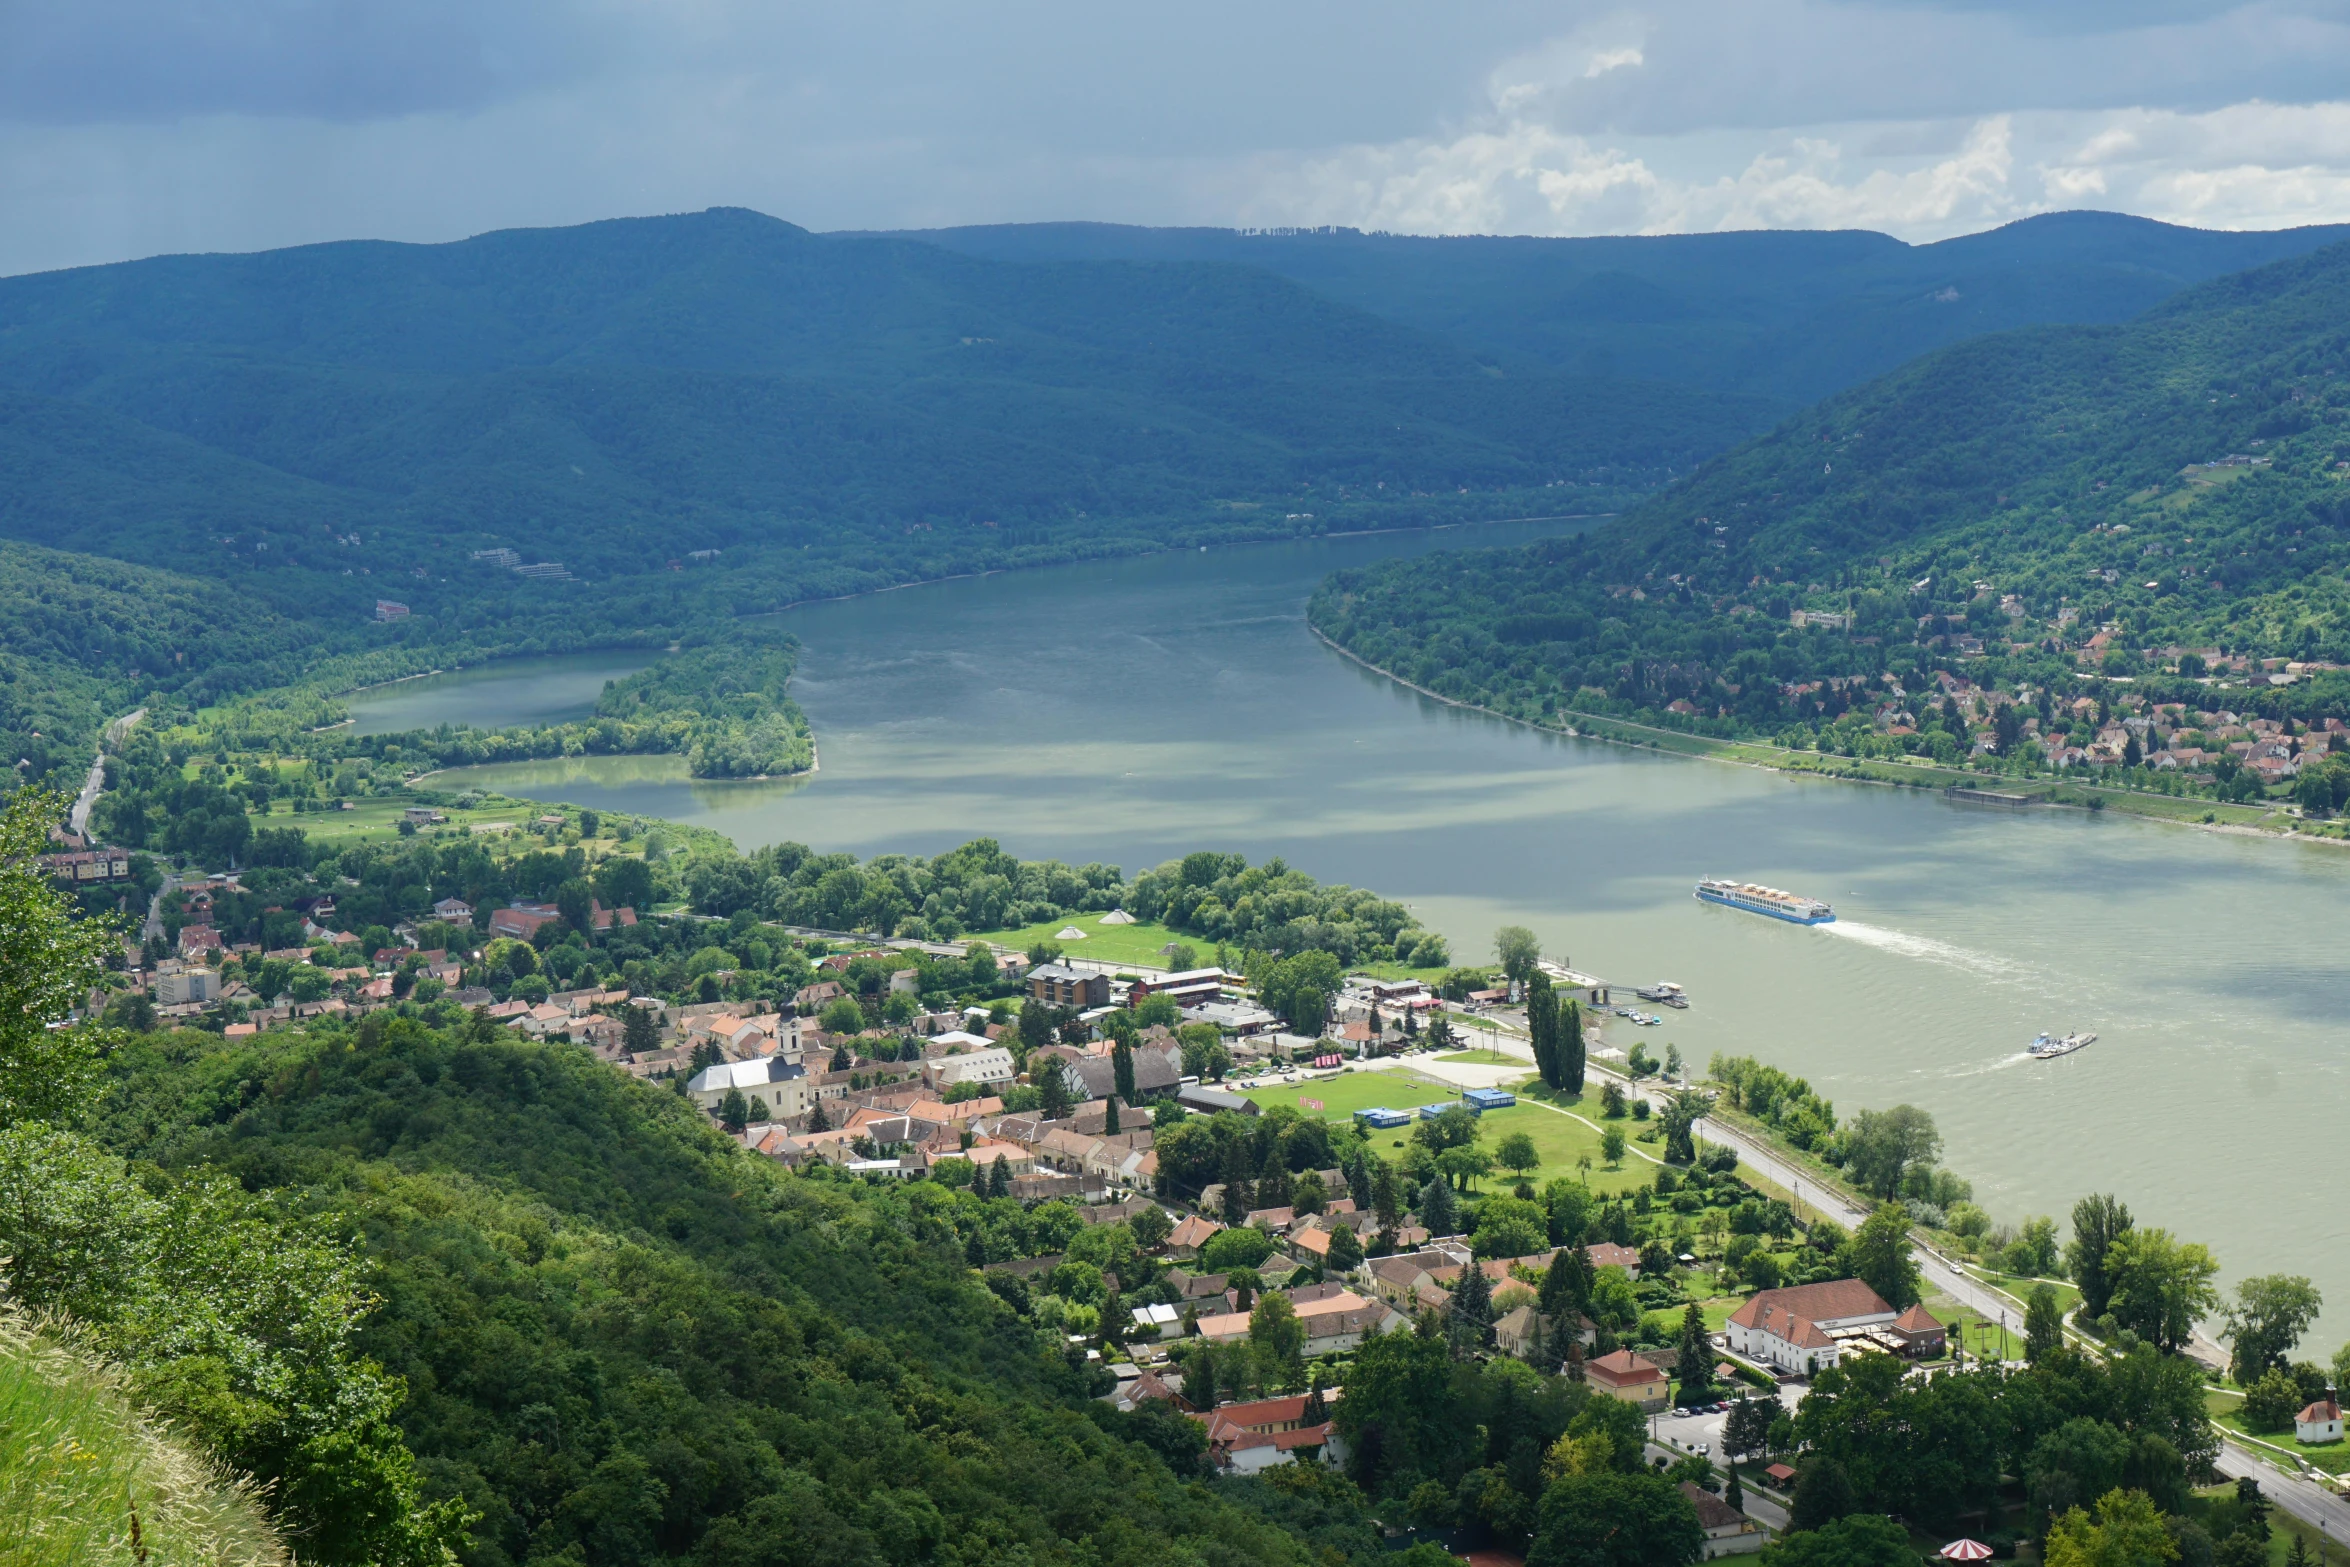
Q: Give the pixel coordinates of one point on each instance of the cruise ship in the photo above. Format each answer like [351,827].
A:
[1766,900]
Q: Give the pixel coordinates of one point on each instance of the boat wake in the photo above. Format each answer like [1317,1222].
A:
[1903,944]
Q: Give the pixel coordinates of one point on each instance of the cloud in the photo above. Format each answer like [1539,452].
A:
[133,126]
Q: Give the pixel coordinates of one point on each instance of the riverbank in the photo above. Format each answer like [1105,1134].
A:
[2268,820]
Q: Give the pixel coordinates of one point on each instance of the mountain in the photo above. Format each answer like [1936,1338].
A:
[2180,484]
[829,412]
[1790,316]
[86,637]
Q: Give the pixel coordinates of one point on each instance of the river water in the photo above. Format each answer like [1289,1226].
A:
[1133,710]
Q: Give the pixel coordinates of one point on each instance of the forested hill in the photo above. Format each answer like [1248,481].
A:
[339,422]
[82,638]
[1793,316]
[2178,483]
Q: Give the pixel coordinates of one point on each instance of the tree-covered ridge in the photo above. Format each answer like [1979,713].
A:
[332,423]
[2014,509]
[85,636]
[625,1340]
[1792,315]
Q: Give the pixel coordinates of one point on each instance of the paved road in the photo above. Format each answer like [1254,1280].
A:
[2304,1499]
[97,780]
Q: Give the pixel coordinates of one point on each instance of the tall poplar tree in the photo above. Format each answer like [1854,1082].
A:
[1542,1024]
[1570,1047]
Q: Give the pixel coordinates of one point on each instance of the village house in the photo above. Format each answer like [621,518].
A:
[1333,1323]
[1253,1437]
[1189,1235]
[2319,1422]
[1802,1329]
[1634,1379]
[1728,1532]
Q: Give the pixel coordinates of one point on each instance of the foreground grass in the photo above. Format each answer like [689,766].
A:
[85,1482]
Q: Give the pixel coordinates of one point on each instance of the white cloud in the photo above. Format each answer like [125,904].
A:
[1920,117]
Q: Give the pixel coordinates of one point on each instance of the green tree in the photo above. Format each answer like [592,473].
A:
[1542,1019]
[1515,948]
[1050,1076]
[1612,1145]
[1471,1308]
[2072,1466]
[1696,1357]
[1857,1540]
[2125,1531]
[1151,1226]
[49,961]
[1611,1519]
[2272,1400]
[1274,1328]
[2270,1314]
[1346,1252]
[2043,1324]
[1509,1227]
[639,1034]
[1746,1430]
[1570,1047]
[1399,1392]
[1683,1110]
[841,1016]
[574,899]
[734,1112]
[1879,1256]
[237,1324]
[1881,1147]
[1300,989]
[2161,1285]
[1516,1153]
[1823,1493]
[2098,1221]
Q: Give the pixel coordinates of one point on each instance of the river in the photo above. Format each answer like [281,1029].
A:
[1132,710]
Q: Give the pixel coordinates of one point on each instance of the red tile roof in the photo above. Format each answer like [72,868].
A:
[1831,1302]
[2318,1413]
[1621,1368]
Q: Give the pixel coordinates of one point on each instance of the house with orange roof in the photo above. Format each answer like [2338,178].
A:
[1188,1237]
[1623,1375]
[1253,1437]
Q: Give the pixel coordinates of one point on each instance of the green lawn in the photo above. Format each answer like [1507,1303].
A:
[2021,1288]
[1558,1138]
[377,817]
[2332,1457]
[1136,943]
[1485,1058]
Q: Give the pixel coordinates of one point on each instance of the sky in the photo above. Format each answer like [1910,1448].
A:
[132,127]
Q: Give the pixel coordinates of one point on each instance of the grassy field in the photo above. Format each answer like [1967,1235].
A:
[2332,1457]
[377,819]
[2021,1288]
[1484,1058]
[1560,1139]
